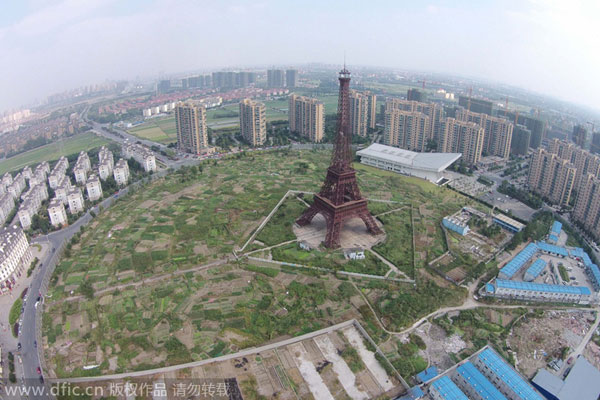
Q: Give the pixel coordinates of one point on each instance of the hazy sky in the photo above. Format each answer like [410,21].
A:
[48,46]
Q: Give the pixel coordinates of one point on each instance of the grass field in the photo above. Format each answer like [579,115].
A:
[53,151]
[188,219]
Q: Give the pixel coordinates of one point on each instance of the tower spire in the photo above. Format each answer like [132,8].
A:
[339,198]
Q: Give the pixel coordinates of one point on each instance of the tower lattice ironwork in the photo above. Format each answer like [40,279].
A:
[339,198]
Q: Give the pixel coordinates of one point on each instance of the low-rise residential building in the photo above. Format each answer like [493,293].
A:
[59,170]
[75,200]
[63,188]
[105,163]
[141,154]
[81,168]
[32,201]
[94,188]
[26,172]
[7,179]
[17,186]
[15,255]
[57,213]
[121,172]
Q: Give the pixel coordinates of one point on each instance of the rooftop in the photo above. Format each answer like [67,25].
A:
[583,382]
[427,161]
[448,389]
[542,287]
[550,248]
[478,382]
[519,260]
[510,377]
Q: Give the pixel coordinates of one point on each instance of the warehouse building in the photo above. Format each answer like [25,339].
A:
[428,166]
[456,226]
[582,382]
[535,270]
[508,223]
[538,291]
[514,265]
[554,232]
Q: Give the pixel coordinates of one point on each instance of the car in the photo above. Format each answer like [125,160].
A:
[19,346]
[38,370]
[35,344]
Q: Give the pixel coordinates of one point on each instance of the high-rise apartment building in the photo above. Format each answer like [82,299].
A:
[291,78]
[253,122]
[416,95]
[408,130]
[535,125]
[498,132]
[358,113]
[519,145]
[476,105]
[190,120]
[579,135]
[432,110]
[463,137]
[595,146]
[371,110]
[307,117]
[551,176]
[587,206]
[275,78]
[584,161]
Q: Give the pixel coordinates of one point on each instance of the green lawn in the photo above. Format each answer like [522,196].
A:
[53,151]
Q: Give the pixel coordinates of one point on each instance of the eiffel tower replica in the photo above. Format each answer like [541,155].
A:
[339,199]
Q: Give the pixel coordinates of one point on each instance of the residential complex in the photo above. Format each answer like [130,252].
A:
[141,154]
[587,206]
[536,126]
[579,135]
[306,116]
[57,213]
[15,255]
[190,120]
[94,188]
[410,130]
[521,138]
[476,105]
[32,201]
[463,137]
[253,122]
[7,204]
[121,172]
[58,172]
[105,163]
[497,132]
[371,109]
[551,177]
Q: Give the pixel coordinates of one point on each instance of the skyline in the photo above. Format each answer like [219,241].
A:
[59,45]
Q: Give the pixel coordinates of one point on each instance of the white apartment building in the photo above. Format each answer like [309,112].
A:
[26,172]
[94,188]
[81,168]
[7,203]
[105,163]
[7,179]
[75,199]
[18,185]
[57,213]
[63,189]
[32,201]
[15,255]
[141,154]
[58,172]
[121,172]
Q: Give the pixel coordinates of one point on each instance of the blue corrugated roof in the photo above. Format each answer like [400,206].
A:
[550,248]
[510,377]
[448,389]
[553,238]
[478,382]
[428,374]
[519,260]
[542,287]
[556,228]
[448,223]
[595,273]
[490,288]
[535,269]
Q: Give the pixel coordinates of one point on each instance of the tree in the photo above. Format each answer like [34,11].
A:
[87,289]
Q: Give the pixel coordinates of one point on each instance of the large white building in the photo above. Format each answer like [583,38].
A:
[141,154]
[63,188]
[7,203]
[59,170]
[105,163]
[57,213]
[94,188]
[32,201]
[75,199]
[15,255]
[429,166]
[121,172]
[17,186]
[81,168]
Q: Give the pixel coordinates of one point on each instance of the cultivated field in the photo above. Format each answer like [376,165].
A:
[52,151]
[166,288]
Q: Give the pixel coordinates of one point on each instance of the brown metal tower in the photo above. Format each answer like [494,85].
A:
[339,199]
